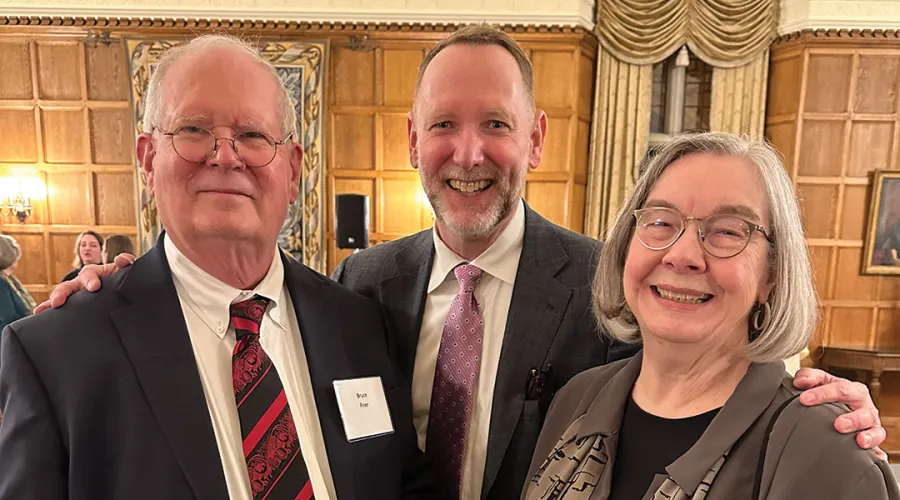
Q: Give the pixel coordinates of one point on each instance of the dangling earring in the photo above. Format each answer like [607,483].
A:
[760,317]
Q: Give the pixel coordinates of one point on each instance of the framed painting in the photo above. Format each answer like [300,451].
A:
[301,66]
[881,251]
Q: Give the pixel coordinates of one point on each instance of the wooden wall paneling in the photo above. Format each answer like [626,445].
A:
[352,77]
[395,142]
[863,158]
[837,125]
[115,199]
[62,246]
[550,69]
[545,198]
[70,198]
[18,127]
[582,147]
[785,80]
[576,207]
[852,285]
[817,205]
[401,206]
[64,134]
[354,141]
[69,120]
[107,79]
[556,145]
[830,77]
[112,135]
[888,336]
[822,142]
[400,68]
[372,74]
[586,75]
[851,326]
[854,203]
[15,79]
[878,85]
[59,74]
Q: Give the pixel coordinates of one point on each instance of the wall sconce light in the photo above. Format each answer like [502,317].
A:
[18,205]
[16,194]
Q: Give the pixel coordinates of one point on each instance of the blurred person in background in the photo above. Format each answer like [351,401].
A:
[114,245]
[15,301]
[88,248]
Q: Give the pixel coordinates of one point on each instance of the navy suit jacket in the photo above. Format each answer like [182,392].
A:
[102,399]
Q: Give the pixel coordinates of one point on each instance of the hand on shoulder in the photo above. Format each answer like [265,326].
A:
[88,279]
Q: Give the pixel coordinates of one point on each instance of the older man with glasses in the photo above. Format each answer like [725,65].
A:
[215,367]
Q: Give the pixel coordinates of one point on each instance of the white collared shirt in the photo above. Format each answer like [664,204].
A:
[499,264]
[205,302]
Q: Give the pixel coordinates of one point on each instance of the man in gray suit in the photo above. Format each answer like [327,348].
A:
[473,134]
[522,283]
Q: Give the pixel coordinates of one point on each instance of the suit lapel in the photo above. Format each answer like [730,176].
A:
[326,356]
[538,304]
[156,340]
[403,295]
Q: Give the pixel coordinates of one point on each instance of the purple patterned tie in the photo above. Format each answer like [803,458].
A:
[455,380]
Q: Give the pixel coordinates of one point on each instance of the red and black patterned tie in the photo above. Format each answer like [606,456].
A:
[271,446]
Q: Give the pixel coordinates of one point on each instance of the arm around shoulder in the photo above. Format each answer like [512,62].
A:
[338,273]
[807,458]
[33,459]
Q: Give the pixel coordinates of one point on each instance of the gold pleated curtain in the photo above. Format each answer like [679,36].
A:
[733,36]
[738,103]
[622,101]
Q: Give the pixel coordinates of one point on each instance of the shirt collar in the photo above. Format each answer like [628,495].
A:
[211,299]
[500,260]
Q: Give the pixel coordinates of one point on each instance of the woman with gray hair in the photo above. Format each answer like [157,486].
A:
[15,301]
[707,266]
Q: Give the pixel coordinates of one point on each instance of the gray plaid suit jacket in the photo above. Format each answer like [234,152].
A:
[549,329]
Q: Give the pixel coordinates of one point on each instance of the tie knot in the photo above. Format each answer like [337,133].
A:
[468,277]
[247,315]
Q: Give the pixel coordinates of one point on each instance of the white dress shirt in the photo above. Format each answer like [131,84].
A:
[494,293]
[205,302]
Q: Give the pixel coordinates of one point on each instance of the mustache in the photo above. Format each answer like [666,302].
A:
[487,172]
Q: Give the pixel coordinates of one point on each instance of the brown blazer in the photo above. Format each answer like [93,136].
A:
[805,459]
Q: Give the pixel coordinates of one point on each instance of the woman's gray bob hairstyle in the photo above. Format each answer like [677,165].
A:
[793,298]
[154,100]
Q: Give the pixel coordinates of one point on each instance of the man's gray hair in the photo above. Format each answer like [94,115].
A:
[793,299]
[9,251]
[154,99]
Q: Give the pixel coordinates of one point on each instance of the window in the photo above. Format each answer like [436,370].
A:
[681,95]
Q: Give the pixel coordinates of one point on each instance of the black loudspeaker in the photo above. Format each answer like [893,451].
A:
[351,214]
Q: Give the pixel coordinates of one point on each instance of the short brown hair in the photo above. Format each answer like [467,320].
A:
[116,244]
[483,34]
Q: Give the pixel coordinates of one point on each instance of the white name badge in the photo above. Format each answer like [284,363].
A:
[363,407]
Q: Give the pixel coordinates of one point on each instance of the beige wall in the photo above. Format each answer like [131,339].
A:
[528,12]
[798,15]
